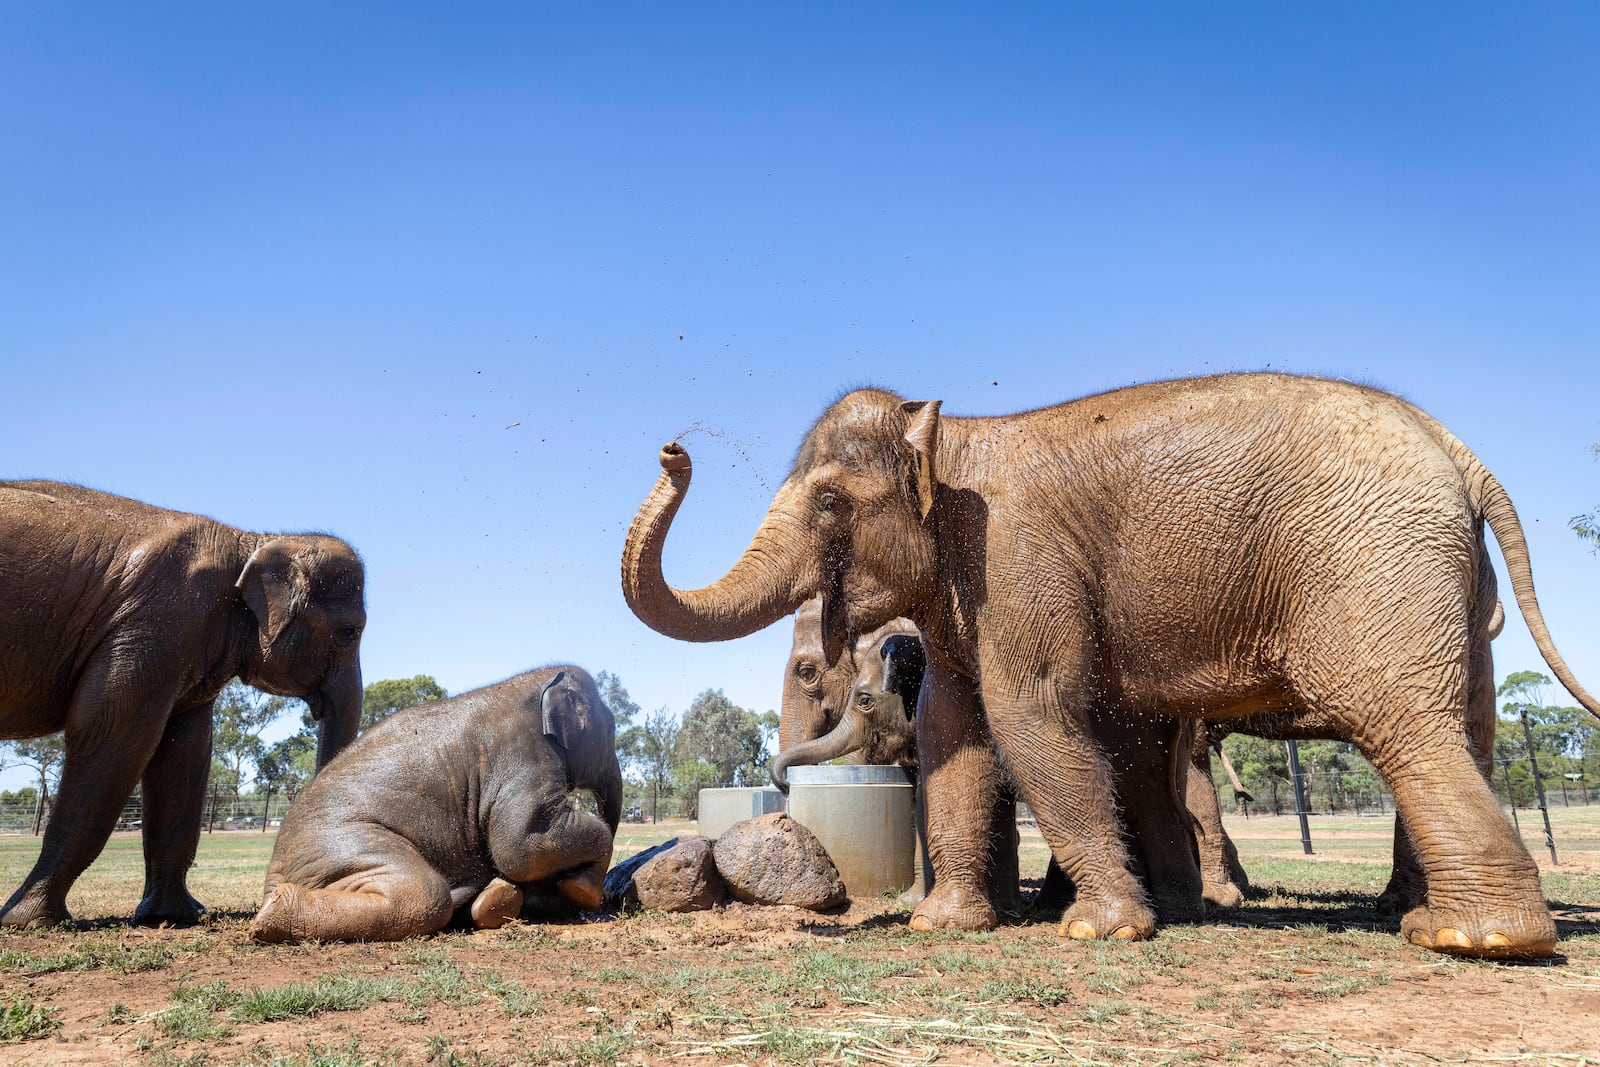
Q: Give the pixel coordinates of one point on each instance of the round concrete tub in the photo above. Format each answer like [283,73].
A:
[863,816]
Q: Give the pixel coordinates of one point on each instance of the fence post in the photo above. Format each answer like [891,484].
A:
[1549,838]
[1300,803]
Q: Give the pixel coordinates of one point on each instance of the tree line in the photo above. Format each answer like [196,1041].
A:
[667,757]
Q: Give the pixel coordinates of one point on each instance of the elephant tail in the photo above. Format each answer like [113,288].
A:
[1490,499]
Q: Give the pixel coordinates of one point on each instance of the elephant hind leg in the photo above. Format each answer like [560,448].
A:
[399,901]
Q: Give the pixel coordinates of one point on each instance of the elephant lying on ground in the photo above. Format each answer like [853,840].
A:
[453,809]
[119,624]
[1210,548]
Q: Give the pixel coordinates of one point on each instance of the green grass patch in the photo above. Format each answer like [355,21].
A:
[304,999]
[22,1020]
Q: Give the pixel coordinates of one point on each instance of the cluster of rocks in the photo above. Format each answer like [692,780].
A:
[767,860]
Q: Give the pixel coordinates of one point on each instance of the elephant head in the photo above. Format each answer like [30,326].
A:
[851,524]
[304,594]
[865,702]
[578,724]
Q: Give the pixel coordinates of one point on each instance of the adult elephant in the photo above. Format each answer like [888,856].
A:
[1205,548]
[456,808]
[119,624]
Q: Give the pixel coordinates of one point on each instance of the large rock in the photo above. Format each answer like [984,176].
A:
[683,878]
[620,891]
[774,860]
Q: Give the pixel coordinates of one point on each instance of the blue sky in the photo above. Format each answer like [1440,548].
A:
[442,280]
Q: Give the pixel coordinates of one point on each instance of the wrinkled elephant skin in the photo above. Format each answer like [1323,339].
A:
[119,624]
[453,809]
[1208,548]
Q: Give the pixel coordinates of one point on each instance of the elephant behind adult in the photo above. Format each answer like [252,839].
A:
[1207,548]
[864,707]
[119,624]
[452,808]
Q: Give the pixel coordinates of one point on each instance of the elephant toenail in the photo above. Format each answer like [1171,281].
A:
[1418,937]
[920,922]
[1079,930]
[1496,941]
[1125,933]
[1450,936]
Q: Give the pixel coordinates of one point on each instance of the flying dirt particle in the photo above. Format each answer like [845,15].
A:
[514,425]
[680,336]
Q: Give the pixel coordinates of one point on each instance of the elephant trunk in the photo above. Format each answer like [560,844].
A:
[337,707]
[849,735]
[609,795]
[769,581]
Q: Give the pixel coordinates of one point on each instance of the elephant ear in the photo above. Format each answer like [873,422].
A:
[923,437]
[275,586]
[561,717]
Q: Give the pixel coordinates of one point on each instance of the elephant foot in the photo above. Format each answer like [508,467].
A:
[1118,920]
[1400,896]
[913,896]
[586,888]
[1056,894]
[498,904]
[278,921]
[167,910]
[1223,895]
[33,910]
[947,908]
[1008,906]
[1527,933]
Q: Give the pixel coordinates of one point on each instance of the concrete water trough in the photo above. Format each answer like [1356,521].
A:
[721,808]
[864,817]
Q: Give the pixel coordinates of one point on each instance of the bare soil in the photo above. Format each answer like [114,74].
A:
[1304,972]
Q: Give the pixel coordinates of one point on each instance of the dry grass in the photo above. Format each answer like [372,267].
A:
[1304,972]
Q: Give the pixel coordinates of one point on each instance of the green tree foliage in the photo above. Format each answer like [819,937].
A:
[44,756]
[288,765]
[241,713]
[733,740]
[615,694]
[688,778]
[645,750]
[1337,777]
[382,699]
[1588,526]
[1566,740]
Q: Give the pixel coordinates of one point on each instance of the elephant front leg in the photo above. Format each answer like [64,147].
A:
[107,747]
[959,778]
[569,849]
[1065,780]
[174,783]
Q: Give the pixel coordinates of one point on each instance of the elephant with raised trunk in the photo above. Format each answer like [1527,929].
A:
[1207,548]
[455,809]
[119,624]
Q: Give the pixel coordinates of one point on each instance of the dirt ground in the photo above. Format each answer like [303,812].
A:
[1304,972]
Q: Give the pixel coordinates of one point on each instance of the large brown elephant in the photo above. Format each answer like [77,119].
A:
[119,624]
[1206,548]
[456,808]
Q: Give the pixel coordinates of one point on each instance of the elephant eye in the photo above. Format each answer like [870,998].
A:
[806,671]
[345,636]
[863,700]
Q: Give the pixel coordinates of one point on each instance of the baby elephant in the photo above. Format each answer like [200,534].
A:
[455,806]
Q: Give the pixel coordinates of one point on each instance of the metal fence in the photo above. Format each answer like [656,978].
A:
[257,812]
